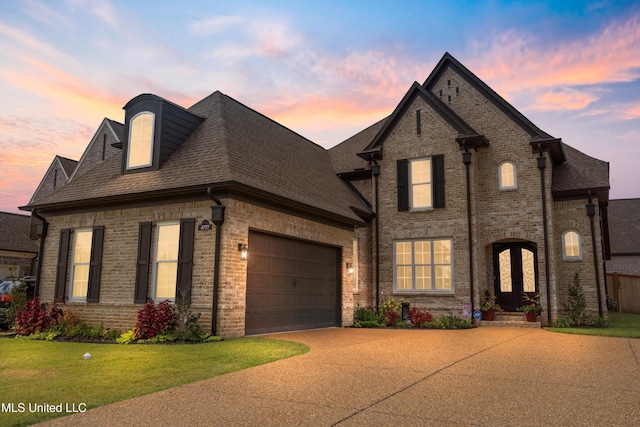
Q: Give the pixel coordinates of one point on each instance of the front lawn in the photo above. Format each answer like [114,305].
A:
[50,372]
[620,325]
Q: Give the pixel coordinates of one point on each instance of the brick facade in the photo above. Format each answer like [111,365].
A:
[116,308]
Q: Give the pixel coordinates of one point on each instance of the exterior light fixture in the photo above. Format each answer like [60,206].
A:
[350,268]
[244,251]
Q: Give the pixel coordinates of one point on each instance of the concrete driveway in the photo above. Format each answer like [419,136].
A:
[356,377]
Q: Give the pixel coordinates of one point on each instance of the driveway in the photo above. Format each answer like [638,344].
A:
[356,377]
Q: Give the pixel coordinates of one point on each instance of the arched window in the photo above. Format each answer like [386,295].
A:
[140,150]
[507,177]
[571,245]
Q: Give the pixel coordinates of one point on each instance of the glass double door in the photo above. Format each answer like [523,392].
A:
[515,268]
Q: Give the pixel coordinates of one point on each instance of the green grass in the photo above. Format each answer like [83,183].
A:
[55,372]
[625,325]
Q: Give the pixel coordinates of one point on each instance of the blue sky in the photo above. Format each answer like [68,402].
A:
[325,69]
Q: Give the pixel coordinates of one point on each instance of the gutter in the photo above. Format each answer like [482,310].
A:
[217,217]
[542,164]
[466,159]
[591,212]
[43,234]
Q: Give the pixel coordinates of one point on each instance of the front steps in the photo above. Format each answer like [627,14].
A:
[511,320]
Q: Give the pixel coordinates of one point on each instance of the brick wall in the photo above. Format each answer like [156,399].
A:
[116,308]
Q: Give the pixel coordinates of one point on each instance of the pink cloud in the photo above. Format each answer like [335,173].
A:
[632,113]
[512,63]
[564,99]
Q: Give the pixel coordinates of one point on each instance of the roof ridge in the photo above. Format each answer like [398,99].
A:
[501,103]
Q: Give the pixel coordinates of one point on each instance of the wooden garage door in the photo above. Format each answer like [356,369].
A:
[291,285]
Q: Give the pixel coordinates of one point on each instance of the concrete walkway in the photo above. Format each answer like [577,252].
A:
[358,377]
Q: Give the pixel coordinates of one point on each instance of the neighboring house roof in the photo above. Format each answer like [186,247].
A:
[234,148]
[14,229]
[624,226]
[580,174]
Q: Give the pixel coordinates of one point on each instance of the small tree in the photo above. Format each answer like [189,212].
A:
[576,303]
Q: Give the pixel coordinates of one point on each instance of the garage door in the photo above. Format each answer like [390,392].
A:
[291,285]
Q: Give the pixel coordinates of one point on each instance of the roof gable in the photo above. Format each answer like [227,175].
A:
[56,176]
[538,136]
[100,147]
[464,131]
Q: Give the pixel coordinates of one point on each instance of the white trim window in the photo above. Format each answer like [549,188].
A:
[165,261]
[80,264]
[420,184]
[507,176]
[140,147]
[571,246]
[423,265]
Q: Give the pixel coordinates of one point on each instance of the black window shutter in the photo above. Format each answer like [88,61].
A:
[185,259]
[142,266]
[403,185]
[95,264]
[437,163]
[63,259]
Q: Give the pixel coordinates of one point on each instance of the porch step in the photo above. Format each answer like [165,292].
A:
[510,320]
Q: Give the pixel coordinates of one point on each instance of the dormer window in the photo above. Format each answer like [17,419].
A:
[140,153]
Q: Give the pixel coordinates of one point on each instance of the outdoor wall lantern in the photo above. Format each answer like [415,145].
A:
[244,251]
[350,268]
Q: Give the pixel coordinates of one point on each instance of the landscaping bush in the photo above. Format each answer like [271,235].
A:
[35,317]
[419,317]
[576,304]
[391,317]
[154,320]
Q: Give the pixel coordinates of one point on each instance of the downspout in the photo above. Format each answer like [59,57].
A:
[466,159]
[591,212]
[542,164]
[375,170]
[45,226]
[217,217]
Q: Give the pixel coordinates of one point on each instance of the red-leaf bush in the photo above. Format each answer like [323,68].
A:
[391,317]
[419,317]
[35,317]
[154,320]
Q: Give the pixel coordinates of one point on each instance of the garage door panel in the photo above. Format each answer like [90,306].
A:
[291,284]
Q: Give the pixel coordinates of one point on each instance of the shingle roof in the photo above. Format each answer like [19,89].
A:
[67,164]
[344,156]
[234,144]
[624,226]
[118,128]
[14,229]
[579,173]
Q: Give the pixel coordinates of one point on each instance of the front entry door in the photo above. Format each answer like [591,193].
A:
[515,268]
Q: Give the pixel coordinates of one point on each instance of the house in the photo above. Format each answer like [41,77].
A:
[261,230]
[18,252]
[623,269]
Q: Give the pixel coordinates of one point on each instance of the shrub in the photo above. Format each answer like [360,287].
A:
[362,314]
[187,327]
[563,322]
[154,320]
[419,317]
[126,337]
[17,301]
[391,317]
[576,304]
[35,317]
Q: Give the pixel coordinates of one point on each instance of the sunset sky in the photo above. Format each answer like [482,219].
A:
[326,69]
